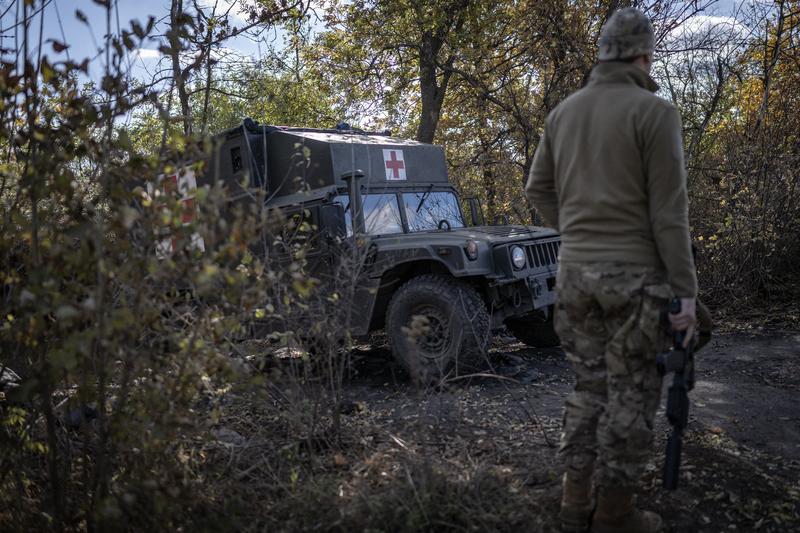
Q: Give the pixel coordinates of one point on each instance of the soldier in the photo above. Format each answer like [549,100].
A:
[609,174]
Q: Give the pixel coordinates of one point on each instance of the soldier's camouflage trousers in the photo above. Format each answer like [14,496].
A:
[611,318]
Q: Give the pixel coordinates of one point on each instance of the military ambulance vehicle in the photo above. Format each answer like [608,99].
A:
[423,260]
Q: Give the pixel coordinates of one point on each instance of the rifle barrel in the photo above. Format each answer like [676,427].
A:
[672,462]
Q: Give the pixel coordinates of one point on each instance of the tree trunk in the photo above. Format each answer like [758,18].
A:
[207,90]
[431,93]
[432,85]
[531,142]
[491,191]
[173,36]
[769,63]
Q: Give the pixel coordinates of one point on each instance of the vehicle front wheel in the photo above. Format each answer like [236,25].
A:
[534,330]
[436,325]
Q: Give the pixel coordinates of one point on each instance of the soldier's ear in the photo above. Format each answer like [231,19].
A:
[644,62]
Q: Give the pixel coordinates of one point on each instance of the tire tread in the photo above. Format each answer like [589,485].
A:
[474,311]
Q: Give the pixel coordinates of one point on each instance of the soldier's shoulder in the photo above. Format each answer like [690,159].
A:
[565,105]
[657,102]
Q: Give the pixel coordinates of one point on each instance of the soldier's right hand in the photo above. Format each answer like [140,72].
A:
[685,320]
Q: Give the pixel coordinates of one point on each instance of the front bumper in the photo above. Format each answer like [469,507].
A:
[542,288]
[531,288]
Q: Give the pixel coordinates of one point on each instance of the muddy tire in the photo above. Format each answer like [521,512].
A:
[534,330]
[437,326]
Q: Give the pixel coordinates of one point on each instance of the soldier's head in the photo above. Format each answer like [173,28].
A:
[627,36]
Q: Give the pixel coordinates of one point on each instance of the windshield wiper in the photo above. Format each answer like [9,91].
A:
[424,197]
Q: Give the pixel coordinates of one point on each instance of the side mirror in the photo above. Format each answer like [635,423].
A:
[331,221]
[476,211]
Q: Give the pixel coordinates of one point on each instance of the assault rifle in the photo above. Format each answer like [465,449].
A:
[680,362]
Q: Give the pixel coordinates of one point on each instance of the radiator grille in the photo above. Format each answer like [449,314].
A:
[543,253]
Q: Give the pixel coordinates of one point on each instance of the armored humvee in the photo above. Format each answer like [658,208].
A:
[424,261]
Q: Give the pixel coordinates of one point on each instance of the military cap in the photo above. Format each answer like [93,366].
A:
[628,33]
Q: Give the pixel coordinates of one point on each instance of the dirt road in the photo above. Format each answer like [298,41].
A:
[750,388]
[741,455]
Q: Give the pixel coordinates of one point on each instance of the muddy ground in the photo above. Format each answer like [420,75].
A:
[742,456]
[480,453]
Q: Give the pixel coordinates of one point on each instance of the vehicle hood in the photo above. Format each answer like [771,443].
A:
[491,235]
[448,247]
[500,234]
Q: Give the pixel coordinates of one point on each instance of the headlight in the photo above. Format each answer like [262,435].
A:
[471,249]
[518,257]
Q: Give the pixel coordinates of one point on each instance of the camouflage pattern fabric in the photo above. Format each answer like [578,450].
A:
[627,33]
[611,318]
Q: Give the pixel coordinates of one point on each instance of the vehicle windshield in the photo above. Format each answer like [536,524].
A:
[381,214]
[424,210]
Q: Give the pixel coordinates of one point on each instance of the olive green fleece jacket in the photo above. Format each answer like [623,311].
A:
[609,174]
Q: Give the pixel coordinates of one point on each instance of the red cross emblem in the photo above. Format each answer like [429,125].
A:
[188,210]
[395,165]
[184,187]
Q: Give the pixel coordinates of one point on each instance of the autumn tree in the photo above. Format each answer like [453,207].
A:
[194,35]
[116,322]
[744,156]
[395,47]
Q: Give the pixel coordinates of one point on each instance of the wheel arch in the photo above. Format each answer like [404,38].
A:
[393,278]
